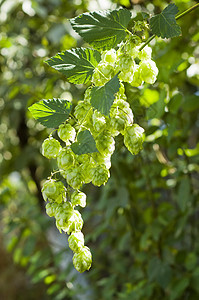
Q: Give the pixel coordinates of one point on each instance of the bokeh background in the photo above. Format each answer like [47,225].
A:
[143,226]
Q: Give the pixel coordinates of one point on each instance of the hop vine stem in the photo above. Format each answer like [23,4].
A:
[178,17]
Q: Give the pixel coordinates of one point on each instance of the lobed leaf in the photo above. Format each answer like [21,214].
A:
[164,24]
[85,143]
[76,64]
[103,29]
[102,97]
[51,113]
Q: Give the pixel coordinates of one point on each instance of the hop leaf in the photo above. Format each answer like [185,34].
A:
[51,113]
[102,97]
[164,24]
[102,29]
[76,64]
[85,143]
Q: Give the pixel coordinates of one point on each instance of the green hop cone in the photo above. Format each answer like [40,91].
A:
[76,241]
[63,212]
[87,94]
[99,159]
[82,260]
[100,175]
[145,53]
[51,208]
[74,177]
[83,110]
[109,57]
[53,190]
[66,133]
[50,147]
[131,49]
[126,66]
[78,198]
[121,115]
[136,79]
[148,71]
[103,73]
[86,171]
[99,121]
[82,158]
[65,159]
[105,143]
[133,138]
[68,219]
[74,223]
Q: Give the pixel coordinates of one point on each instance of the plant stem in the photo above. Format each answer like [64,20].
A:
[187,11]
[147,42]
[178,17]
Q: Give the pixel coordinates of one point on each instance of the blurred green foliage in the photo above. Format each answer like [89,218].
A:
[143,226]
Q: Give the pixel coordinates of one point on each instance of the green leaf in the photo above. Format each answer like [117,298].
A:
[164,24]
[175,103]
[160,272]
[178,288]
[102,29]
[102,97]
[191,103]
[51,113]
[184,194]
[157,109]
[85,143]
[76,64]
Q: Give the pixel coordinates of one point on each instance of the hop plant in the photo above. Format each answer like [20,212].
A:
[50,148]
[76,241]
[82,260]
[53,190]
[78,198]
[66,133]
[90,159]
[133,138]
